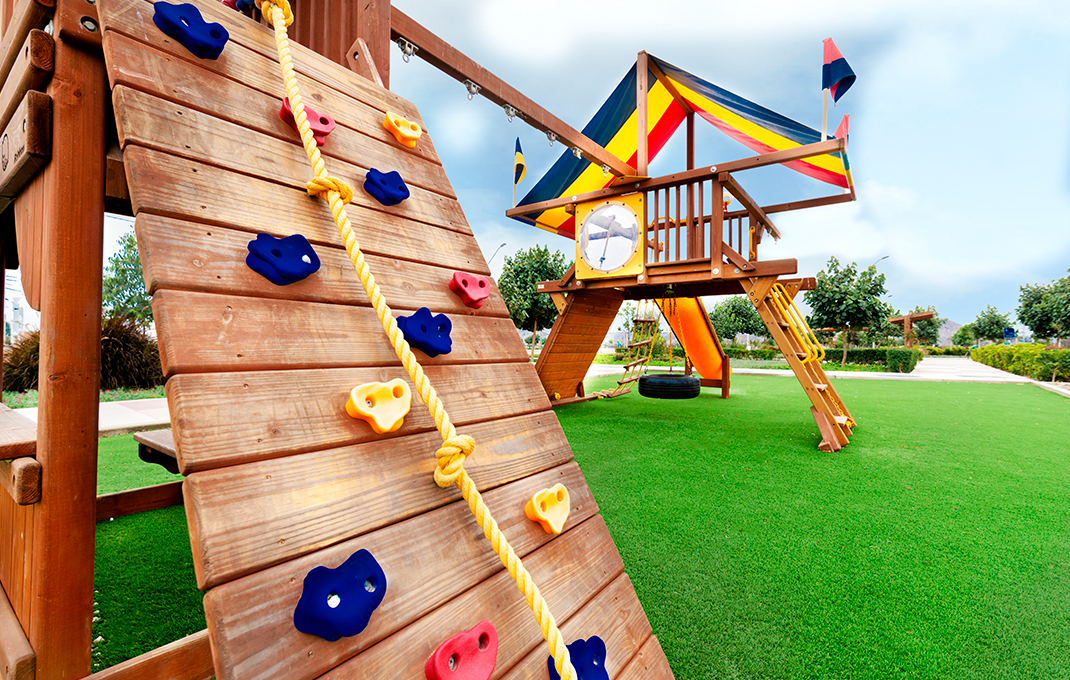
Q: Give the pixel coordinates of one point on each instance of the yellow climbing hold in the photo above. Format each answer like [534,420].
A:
[406,132]
[550,508]
[382,405]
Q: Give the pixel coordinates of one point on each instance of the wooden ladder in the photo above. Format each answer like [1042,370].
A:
[775,304]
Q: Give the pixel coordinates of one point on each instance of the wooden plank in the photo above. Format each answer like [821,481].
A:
[222,89]
[126,36]
[28,15]
[614,615]
[753,209]
[18,434]
[16,553]
[168,185]
[189,658]
[565,581]
[144,120]
[204,332]
[26,144]
[129,17]
[189,256]
[133,501]
[649,664]
[21,479]
[31,71]
[160,440]
[17,660]
[456,65]
[360,59]
[60,628]
[247,517]
[29,230]
[252,618]
[231,418]
[642,89]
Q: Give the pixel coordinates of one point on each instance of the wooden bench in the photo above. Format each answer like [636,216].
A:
[158,446]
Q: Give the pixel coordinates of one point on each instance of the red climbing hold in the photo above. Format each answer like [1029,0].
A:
[472,289]
[321,123]
[470,655]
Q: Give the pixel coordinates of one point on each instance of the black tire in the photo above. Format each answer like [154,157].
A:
[669,386]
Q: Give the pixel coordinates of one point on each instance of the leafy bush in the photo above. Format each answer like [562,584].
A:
[128,357]
[901,360]
[1026,358]
[953,351]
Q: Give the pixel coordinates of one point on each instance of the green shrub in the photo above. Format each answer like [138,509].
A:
[901,360]
[1026,358]
[953,351]
[128,358]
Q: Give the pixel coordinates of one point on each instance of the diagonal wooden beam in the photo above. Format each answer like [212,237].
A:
[449,60]
[747,202]
[668,85]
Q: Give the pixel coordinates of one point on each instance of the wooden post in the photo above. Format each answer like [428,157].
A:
[371,23]
[72,221]
[642,87]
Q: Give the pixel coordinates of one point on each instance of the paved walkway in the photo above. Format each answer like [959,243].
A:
[122,417]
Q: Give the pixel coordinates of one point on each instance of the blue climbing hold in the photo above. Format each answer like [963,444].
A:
[426,332]
[244,5]
[185,24]
[282,260]
[339,602]
[588,658]
[386,187]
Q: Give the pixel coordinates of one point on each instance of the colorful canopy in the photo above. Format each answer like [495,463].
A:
[614,127]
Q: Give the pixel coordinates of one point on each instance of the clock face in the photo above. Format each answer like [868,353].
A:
[609,237]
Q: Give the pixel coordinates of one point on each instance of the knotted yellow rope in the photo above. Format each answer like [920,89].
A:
[455,448]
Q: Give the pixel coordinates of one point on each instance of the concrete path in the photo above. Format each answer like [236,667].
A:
[123,417]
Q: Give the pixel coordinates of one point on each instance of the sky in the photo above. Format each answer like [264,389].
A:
[960,124]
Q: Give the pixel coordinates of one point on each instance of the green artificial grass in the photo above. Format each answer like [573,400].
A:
[28,399]
[145,590]
[935,545]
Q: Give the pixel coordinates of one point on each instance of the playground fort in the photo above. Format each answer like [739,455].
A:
[315,285]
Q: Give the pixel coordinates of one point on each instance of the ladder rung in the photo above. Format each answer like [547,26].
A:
[640,344]
[801,355]
[784,324]
[625,382]
[821,387]
[635,363]
[840,420]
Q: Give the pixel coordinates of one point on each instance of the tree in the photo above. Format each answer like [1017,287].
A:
[1045,309]
[927,331]
[737,315]
[528,308]
[989,324]
[964,336]
[846,298]
[882,333]
[124,285]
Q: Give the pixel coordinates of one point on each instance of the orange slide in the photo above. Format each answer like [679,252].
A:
[691,325]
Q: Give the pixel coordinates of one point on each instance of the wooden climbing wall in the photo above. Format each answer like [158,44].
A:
[574,340]
[279,478]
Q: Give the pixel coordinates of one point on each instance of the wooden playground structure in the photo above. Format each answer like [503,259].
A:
[104,111]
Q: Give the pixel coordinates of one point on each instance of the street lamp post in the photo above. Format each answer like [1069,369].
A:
[495,253]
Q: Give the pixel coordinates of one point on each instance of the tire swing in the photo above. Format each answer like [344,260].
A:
[669,386]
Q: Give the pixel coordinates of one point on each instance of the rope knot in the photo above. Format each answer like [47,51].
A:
[451,457]
[282,5]
[319,186]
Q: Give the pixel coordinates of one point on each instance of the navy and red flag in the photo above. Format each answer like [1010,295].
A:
[836,73]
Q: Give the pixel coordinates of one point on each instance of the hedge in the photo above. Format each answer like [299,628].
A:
[1026,358]
[953,351]
[901,359]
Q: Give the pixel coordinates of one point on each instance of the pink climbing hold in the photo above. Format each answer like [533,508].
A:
[321,123]
[472,288]
[470,655]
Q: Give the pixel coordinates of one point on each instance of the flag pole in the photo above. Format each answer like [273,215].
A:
[824,119]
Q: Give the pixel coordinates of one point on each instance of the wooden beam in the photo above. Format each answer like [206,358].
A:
[797,205]
[749,203]
[28,15]
[17,659]
[360,61]
[189,658]
[703,173]
[668,85]
[72,223]
[31,71]
[642,90]
[18,435]
[453,63]
[133,501]
[25,146]
[21,479]
[372,21]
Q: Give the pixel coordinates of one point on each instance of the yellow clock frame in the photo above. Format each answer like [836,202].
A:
[634,264]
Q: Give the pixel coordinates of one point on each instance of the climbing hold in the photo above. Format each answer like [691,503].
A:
[470,655]
[382,405]
[233,4]
[404,131]
[339,602]
[282,260]
[185,24]
[386,187]
[472,289]
[588,658]
[426,332]
[244,6]
[550,508]
[321,123]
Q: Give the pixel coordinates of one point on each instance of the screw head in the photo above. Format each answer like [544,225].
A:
[89,25]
